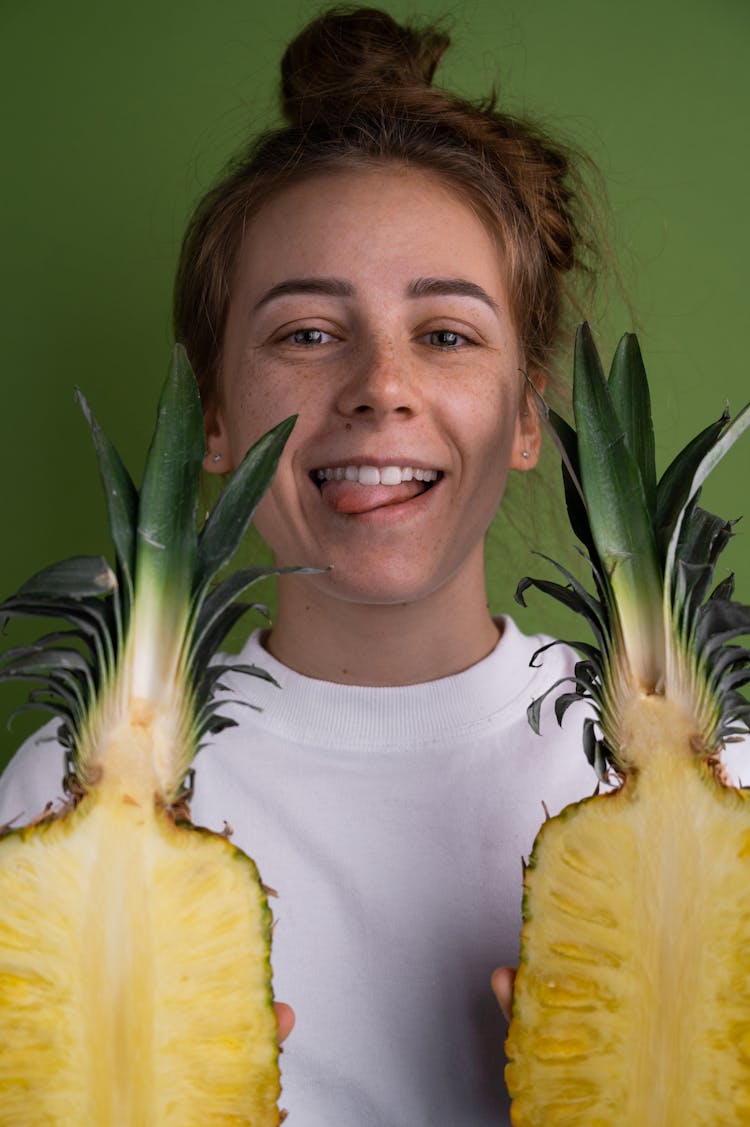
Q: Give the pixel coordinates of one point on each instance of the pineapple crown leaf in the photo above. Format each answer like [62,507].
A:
[652,552]
[564,701]
[620,523]
[65,681]
[166,531]
[91,621]
[235,508]
[213,636]
[565,440]
[209,720]
[702,539]
[716,642]
[54,697]
[216,671]
[563,436]
[224,594]
[210,627]
[585,648]
[588,607]
[40,661]
[74,578]
[724,589]
[629,393]
[212,684]
[534,709]
[587,688]
[611,479]
[154,614]
[35,704]
[595,750]
[718,620]
[120,495]
[701,468]
[587,677]
[674,484]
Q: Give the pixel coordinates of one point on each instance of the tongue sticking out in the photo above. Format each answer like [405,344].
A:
[351,497]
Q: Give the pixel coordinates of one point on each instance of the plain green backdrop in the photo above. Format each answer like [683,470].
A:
[118,116]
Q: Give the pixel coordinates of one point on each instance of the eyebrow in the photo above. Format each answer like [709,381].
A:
[329,287]
[450,287]
[338,287]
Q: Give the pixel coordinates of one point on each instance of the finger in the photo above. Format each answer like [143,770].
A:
[503,980]
[284,1019]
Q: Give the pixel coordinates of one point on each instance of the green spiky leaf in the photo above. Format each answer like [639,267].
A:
[120,495]
[628,390]
[142,639]
[619,518]
[653,553]
[233,512]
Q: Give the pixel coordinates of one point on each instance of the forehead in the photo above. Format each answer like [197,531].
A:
[383,222]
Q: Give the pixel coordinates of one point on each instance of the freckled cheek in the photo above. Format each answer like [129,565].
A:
[268,397]
[488,432]
[250,413]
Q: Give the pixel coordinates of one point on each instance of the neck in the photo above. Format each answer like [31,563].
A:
[333,639]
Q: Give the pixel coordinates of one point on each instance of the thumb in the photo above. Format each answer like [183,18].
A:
[503,980]
[284,1019]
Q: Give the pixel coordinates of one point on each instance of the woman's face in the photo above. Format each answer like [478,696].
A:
[372,304]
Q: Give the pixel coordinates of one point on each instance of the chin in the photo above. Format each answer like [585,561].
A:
[383,590]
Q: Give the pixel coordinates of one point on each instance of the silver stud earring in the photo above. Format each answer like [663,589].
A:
[216,458]
[525,454]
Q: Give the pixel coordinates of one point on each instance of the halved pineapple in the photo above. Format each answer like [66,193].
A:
[135,984]
[632,1001]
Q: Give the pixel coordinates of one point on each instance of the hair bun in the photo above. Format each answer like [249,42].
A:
[349,53]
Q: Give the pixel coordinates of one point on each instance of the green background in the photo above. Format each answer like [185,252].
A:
[119,116]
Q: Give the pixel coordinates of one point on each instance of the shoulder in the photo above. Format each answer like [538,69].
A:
[534,665]
[33,777]
[552,752]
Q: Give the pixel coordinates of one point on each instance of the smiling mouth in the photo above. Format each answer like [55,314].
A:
[372,475]
[361,489]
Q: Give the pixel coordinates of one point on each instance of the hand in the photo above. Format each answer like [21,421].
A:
[503,980]
[284,1019]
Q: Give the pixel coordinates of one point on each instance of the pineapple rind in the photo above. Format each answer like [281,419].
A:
[134,975]
[632,999]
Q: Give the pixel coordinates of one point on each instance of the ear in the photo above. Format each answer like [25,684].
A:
[528,437]
[217,458]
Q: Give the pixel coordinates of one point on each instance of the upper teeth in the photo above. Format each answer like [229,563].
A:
[374,475]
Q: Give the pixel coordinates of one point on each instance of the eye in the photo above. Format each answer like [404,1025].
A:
[309,337]
[447,339]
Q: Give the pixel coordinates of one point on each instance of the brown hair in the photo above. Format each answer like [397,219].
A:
[356,88]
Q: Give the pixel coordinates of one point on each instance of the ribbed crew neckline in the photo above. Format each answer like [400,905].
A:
[326,713]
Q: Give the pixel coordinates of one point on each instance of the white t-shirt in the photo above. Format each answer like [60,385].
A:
[392,822]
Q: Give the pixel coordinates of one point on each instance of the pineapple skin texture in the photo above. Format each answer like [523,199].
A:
[134,974]
[632,1001]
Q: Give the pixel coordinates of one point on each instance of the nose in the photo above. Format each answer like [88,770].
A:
[380,381]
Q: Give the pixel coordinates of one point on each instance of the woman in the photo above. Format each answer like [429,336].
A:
[392,266]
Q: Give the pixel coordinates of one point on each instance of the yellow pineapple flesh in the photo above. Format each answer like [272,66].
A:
[632,999]
[634,991]
[134,974]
